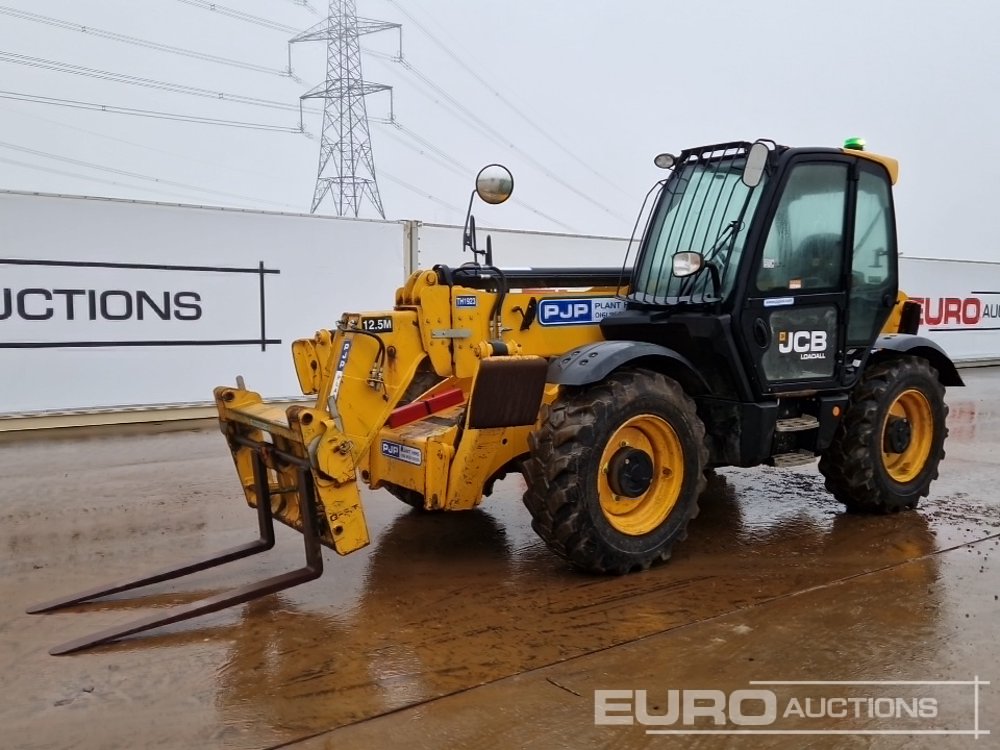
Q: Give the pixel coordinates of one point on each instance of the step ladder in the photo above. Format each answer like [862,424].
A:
[795,458]
[797,424]
[799,457]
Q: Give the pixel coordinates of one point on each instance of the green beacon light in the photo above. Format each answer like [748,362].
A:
[855,144]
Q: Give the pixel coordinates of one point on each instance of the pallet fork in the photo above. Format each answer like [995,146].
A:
[312,570]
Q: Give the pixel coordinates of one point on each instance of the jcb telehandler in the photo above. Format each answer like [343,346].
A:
[760,323]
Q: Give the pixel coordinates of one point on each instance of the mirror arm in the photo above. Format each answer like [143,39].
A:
[713,272]
[492,188]
[469,237]
[473,243]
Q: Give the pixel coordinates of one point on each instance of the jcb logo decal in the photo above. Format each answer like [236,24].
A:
[809,344]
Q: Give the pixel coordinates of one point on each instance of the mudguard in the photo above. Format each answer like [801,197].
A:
[904,343]
[594,362]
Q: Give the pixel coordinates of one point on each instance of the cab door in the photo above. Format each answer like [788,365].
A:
[794,319]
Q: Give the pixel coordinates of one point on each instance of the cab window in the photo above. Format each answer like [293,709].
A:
[873,272]
[804,249]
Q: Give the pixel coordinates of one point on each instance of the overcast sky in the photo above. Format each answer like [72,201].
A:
[597,89]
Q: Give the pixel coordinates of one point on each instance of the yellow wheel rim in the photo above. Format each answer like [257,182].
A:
[913,406]
[655,437]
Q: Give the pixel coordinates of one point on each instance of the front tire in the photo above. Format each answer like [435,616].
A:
[615,472]
[887,448]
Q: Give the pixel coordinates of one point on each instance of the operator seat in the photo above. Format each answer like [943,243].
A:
[821,256]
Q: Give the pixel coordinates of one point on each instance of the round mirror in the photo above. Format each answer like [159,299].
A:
[665,161]
[494,183]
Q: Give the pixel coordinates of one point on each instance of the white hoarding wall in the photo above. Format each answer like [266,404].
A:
[109,303]
[512,249]
[960,303]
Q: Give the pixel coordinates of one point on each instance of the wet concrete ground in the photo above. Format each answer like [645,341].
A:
[462,630]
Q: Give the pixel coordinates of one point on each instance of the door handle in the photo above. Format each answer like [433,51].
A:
[761,333]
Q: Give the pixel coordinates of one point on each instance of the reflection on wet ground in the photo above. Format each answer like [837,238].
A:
[465,621]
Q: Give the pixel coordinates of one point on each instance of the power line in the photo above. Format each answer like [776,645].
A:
[426,91]
[418,191]
[503,140]
[133,175]
[430,155]
[124,38]
[536,212]
[305,4]
[423,90]
[145,147]
[453,165]
[91,178]
[445,159]
[177,88]
[427,144]
[172,116]
[239,15]
[461,62]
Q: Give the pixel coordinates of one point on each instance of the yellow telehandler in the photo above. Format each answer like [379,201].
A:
[760,322]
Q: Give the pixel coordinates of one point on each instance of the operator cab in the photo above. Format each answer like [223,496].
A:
[773,268]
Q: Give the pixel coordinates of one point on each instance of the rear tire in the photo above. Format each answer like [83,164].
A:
[867,467]
[587,501]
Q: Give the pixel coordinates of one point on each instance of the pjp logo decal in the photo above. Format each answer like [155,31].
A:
[577,312]
[807,344]
[402,452]
[338,377]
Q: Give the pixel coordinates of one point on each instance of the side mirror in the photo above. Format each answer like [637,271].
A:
[753,170]
[494,184]
[687,264]
[665,161]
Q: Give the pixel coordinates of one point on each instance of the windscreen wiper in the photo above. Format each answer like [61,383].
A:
[726,236]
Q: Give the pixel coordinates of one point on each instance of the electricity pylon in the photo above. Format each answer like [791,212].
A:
[346,165]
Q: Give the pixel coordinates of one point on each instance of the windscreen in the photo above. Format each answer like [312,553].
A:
[703,207]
